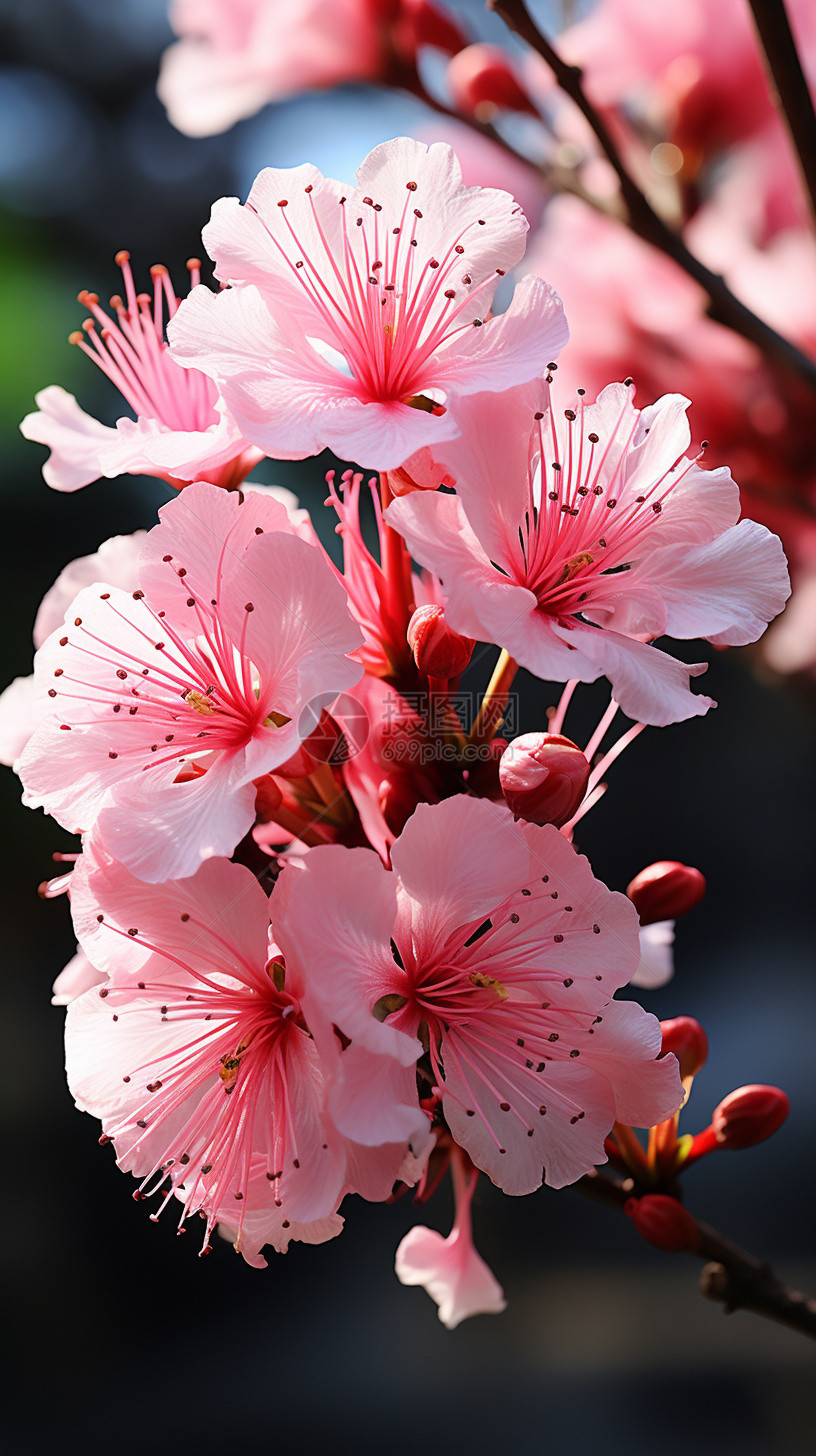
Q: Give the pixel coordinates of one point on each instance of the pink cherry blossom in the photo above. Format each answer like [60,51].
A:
[492,952]
[169,701]
[580,534]
[23,705]
[195,1056]
[631,309]
[452,1272]
[355,308]
[181,432]
[696,69]
[234,56]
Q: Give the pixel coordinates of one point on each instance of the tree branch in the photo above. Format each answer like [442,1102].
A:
[724,306]
[732,1276]
[790,83]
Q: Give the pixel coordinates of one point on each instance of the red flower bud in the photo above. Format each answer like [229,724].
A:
[749,1115]
[665,890]
[482,79]
[438,651]
[664,1223]
[685,1037]
[418,23]
[543,777]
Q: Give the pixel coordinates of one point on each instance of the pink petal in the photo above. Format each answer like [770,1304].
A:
[452,1272]
[650,686]
[75,439]
[626,1050]
[22,709]
[116,563]
[518,342]
[219,917]
[442,888]
[167,834]
[449,208]
[481,601]
[75,979]
[656,956]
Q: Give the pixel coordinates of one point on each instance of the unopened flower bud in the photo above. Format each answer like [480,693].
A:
[665,890]
[749,1115]
[438,650]
[664,1223]
[543,777]
[481,80]
[418,23]
[685,1037]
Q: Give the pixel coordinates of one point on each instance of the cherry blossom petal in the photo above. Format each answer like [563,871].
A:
[480,599]
[75,979]
[22,709]
[76,440]
[219,917]
[656,967]
[167,835]
[626,1050]
[440,889]
[116,562]
[451,1271]
[649,685]
[514,345]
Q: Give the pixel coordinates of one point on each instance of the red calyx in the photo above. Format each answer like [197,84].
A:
[665,890]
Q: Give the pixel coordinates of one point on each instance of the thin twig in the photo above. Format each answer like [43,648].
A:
[732,1276]
[793,95]
[724,307]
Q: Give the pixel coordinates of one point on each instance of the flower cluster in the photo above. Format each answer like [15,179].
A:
[334,936]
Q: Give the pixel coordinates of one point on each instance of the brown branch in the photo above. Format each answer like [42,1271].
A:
[732,1277]
[790,83]
[724,306]
[561,178]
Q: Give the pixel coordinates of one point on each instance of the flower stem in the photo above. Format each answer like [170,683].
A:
[494,702]
[793,95]
[724,307]
[396,565]
[732,1276]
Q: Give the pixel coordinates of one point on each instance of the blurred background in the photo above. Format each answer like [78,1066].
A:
[118,1335]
